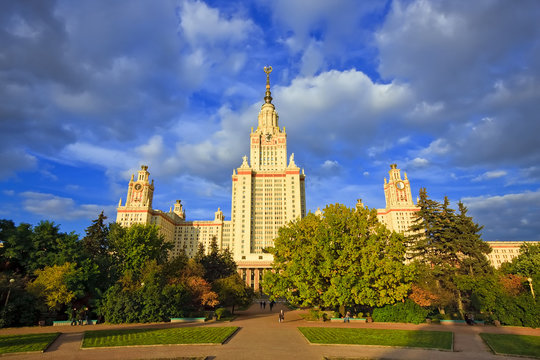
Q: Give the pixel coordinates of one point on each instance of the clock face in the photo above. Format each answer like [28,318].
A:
[138,187]
[268,137]
[400,185]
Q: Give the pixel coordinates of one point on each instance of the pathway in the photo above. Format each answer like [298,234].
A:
[261,336]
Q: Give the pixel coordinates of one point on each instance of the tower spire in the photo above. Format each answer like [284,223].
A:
[267,94]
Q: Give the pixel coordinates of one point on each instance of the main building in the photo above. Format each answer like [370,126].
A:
[268,191]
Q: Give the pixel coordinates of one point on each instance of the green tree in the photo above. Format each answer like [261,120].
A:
[232,291]
[16,246]
[527,264]
[217,264]
[450,249]
[96,241]
[22,308]
[51,284]
[138,244]
[343,258]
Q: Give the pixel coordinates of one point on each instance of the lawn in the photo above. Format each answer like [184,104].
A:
[134,337]
[407,338]
[26,343]
[513,344]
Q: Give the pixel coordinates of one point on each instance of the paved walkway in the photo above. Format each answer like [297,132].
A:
[261,336]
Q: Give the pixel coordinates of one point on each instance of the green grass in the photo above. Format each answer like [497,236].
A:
[407,338]
[513,344]
[134,337]
[26,343]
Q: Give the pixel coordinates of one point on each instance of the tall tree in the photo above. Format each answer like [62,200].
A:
[217,264]
[138,244]
[343,258]
[451,251]
[96,241]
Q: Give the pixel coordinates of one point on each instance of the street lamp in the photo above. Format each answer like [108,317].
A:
[11,281]
[530,285]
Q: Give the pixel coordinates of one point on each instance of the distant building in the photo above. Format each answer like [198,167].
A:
[505,251]
[400,210]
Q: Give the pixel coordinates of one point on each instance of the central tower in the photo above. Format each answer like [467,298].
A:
[267,192]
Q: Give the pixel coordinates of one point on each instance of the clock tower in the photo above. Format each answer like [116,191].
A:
[400,209]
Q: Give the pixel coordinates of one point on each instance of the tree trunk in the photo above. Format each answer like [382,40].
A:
[460,303]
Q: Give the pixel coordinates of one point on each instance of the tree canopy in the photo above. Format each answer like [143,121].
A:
[343,258]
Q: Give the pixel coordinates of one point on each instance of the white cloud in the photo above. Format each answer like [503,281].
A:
[202,24]
[60,208]
[511,217]
[490,175]
[418,163]
[438,147]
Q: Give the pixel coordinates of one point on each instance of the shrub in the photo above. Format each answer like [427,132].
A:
[336,314]
[222,312]
[408,312]
[520,310]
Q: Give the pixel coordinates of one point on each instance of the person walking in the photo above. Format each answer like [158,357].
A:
[272,304]
[73,317]
[347,316]
[264,304]
[281,316]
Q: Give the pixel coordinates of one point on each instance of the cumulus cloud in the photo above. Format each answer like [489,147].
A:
[488,175]
[60,208]
[511,217]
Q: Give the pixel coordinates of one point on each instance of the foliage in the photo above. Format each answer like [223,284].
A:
[422,297]
[157,293]
[133,337]
[520,310]
[345,257]
[216,264]
[26,343]
[232,291]
[222,312]
[407,312]
[22,308]
[137,244]
[379,337]
[513,284]
[449,249]
[527,264]
[26,249]
[508,344]
[51,284]
[96,241]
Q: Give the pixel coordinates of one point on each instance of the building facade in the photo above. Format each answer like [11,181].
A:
[268,191]
[505,251]
[400,210]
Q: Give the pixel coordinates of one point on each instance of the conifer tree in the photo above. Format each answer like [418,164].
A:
[96,241]
[450,248]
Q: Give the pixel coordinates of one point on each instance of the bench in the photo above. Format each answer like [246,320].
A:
[350,319]
[188,319]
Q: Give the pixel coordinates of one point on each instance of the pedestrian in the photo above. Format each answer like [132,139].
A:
[73,317]
[264,304]
[271,304]
[81,316]
[261,304]
[86,315]
[281,316]
[347,316]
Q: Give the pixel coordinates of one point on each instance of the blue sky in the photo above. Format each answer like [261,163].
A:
[448,90]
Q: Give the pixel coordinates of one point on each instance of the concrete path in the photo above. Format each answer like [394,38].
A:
[261,336]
